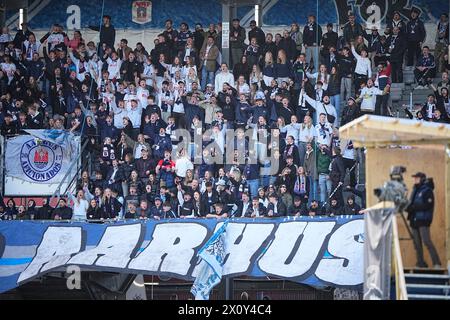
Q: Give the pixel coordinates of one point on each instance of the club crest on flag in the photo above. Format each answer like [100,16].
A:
[141,11]
[41,161]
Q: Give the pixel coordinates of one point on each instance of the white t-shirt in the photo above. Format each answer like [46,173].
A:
[182,165]
[114,68]
[9,69]
[80,209]
[369,98]
[221,78]
[323,133]
[142,95]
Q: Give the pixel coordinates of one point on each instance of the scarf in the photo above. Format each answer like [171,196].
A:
[300,185]
[323,130]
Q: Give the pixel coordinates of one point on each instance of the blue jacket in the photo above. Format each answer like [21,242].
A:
[164,143]
[426,62]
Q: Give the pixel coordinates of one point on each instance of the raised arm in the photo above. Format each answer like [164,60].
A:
[357,56]
[310,100]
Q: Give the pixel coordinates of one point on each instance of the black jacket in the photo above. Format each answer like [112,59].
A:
[65,213]
[329,39]
[94,213]
[110,208]
[289,46]
[281,209]
[250,210]
[421,207]
[208,202]
[337,173]
[300,210]
[415,30]
[352,32]
[107,35]
[351,209]
[396,47]
[257,33]
[312,34]
[350,113]
[333,210]
[44,213]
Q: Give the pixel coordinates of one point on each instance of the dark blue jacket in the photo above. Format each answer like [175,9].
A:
[426,61]
[242,112]
[109,131]
[251,171]
[164,143]
[420,210]
[260,111]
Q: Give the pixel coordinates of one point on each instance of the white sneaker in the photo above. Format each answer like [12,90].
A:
[437,266]
[418,88]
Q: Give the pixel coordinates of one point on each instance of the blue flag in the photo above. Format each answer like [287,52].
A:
[210,274]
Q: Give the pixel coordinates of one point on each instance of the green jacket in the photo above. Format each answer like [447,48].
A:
[323,163]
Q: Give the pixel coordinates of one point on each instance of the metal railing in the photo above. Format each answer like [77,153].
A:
[57,193]
[400,283]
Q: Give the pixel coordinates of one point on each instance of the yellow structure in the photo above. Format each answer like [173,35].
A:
[418,146]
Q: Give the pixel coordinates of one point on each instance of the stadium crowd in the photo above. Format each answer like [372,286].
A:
[295,89]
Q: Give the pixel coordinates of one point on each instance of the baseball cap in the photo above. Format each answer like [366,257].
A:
[419,175]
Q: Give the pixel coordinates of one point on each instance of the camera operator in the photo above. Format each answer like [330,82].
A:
[420,216]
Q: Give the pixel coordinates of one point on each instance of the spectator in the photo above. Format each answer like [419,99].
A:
[288,45]
[352,29]
[297,36]
[298,208]
[276,208]
[442,41]
[80,205]
[62,211]
[425,69]
[311,170]
[224,76]
[314,209]
[45,211]
[329,40]
[31,210]
[208,60]
[253,53]
[312,34]
[237,38]
[107,34]
[334,209]
[22,214]
[165,169]
[363,70]
[396,22]
[351,207]
[415,35]
[257,33]
[337,174]
[94,211]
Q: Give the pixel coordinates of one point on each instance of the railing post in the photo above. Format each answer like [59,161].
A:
[400,284]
